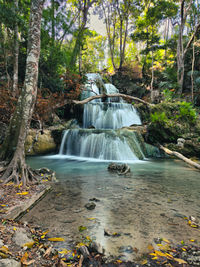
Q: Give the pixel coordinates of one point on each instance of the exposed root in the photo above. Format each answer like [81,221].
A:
[18,172]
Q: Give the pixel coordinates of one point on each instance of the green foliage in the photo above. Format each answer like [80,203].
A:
[159,117]
[186,112]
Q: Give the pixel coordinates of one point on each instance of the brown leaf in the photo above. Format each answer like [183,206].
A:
[48,251]
[28,262]
[180,261]
[24,258]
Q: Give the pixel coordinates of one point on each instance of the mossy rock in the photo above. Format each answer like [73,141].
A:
[43,145]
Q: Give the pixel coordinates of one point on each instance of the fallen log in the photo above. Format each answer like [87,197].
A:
[180,156]
[129,97]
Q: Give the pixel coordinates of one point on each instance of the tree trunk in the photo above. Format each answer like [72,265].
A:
[13,146]
[16,54]
[192,73]
[152,78]
[180,156]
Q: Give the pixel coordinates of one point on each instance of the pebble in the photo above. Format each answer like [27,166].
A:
[127,249]
[20,237]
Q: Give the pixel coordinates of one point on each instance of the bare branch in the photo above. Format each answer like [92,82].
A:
[191,39]
[77,102]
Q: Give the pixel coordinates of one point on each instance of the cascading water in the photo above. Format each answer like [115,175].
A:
[101,137]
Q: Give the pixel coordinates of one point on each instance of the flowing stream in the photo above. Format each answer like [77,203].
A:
[150,202]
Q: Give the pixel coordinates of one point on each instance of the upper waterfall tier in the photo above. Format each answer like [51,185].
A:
[109,115]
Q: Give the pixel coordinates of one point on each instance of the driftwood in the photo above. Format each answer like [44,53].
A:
[128,97]
[180,156]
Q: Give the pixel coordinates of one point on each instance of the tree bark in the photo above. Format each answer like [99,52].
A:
[13,146]
[180,156]
[16,54]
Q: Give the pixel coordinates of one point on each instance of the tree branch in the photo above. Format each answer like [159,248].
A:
[77,102]
[180,156]
[191,39]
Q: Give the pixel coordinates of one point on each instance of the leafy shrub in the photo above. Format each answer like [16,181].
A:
[187,112]
[159,117]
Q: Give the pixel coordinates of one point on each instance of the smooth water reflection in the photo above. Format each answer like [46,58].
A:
[149,203]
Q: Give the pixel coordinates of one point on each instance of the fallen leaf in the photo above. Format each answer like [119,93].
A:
[3,256]
[23,193]
[166,241]
[180,261]
[29,245]
[24,257]
[91,219]
[64,251]
[144,262]
[192,240]
[28,262]
[47,252]
[150,247]
[5,250]
[159,253]
[56,239]
[82,228]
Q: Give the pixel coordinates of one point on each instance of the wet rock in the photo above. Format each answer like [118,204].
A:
[9,263]
[90,206]
[119,168]
[94,199]
[20,237]
[60,208]
[126,249]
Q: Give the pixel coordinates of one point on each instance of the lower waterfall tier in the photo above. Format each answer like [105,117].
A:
[119,145]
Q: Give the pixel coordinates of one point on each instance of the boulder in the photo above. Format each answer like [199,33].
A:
[9,263]
[39,143]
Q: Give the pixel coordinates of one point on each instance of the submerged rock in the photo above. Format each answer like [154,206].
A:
[90,206]
[119,168]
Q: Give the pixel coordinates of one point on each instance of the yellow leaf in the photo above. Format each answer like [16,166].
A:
[189,222]
[150,247]
[5,250]
[194,225]
[183,249]
[3,205]
[118,261]
[159,253]
[64,251]
[91,219]
[152,254]
[42,236]
[14,228]
[169,256]
[192,240]
[44,233]
[154,258]
[56,239]
[3,256]
[166,241]
[22,193]
[144,262]
[180,261]
[80,245]
[29,245]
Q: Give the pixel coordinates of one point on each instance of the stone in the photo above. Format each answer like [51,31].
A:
[180,142]
[9,263]
[126,249]
[90,206]
[21,237]
[43,145]
[1,243]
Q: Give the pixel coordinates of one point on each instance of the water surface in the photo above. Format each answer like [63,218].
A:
[146,204]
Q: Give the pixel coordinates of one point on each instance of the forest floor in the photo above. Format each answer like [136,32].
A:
[23,244]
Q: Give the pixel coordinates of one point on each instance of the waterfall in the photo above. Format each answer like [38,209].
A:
[101,136]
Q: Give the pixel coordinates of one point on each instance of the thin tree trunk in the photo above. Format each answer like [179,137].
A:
[13,151]
[152,77]
[192,73]
[16,54]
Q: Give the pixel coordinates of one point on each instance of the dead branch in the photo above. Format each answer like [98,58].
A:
[180,156]
[110,95]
